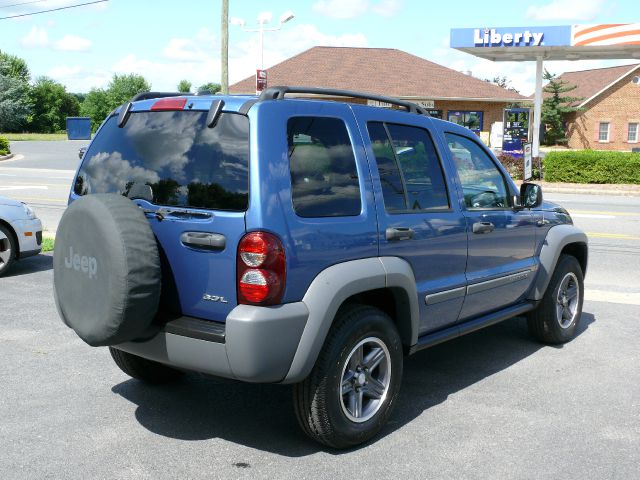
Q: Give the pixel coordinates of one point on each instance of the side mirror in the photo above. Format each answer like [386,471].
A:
[530,195]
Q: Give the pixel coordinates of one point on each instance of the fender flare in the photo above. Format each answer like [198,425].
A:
[332,287]
[556,240]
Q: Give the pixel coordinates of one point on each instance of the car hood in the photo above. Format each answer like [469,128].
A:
[552,207]
[10,202]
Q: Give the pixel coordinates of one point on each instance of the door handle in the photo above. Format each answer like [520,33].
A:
[202,240]
[399,233]
[483,227]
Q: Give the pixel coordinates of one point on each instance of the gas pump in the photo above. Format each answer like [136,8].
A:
[517,130]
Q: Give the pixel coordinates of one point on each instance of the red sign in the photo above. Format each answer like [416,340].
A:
[261,81]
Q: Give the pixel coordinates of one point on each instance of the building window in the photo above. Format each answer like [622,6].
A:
[603,132]
[632,134]
[471,120]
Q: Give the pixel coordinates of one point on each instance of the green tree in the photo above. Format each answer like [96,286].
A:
[14,104]
[52,104]
[209,87]
[99,103]
[503,82]
[123,88]
[554,108]
[184,86]
[96,106]
[14,67]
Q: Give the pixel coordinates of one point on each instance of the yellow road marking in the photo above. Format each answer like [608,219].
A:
[597,212]
[612,235]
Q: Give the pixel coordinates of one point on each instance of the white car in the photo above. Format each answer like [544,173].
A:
[20,233]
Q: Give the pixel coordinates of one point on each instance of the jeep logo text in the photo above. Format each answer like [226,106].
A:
[84,264]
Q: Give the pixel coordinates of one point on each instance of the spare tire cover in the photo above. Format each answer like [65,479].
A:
[106,270]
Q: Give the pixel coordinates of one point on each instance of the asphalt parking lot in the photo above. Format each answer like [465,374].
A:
[494,404]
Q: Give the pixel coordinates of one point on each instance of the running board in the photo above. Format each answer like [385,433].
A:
[434,338]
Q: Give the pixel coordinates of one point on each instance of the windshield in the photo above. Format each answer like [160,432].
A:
[171,158]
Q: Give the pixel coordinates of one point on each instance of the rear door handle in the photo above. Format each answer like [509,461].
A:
[399,233]
[203,240]
[483,227]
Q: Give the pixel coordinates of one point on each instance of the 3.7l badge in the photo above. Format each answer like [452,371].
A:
[214,298]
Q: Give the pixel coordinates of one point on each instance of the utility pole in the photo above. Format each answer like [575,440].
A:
[224,54]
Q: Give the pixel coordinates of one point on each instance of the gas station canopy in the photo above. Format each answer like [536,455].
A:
[567,42]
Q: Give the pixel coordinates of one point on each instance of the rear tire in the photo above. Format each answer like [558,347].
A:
[8,249]
[354,384]
[142,369]
[557,317]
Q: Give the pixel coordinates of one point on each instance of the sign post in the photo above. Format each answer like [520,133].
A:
[261,81]
[528,168]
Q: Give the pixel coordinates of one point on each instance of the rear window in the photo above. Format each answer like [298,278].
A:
[171,158]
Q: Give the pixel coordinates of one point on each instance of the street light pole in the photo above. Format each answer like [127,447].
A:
[263,19]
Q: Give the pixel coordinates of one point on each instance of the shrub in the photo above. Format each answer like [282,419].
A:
[515,166]
[590,166]
[4,146]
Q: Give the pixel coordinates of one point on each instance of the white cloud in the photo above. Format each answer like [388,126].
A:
[36,38]
[192,49]
[348,9]
[79,79]
[72,43]
[387,8]
[583,10]
[341,9]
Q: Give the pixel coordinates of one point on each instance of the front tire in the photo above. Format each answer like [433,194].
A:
[353,387]
[557,317]
[144,370]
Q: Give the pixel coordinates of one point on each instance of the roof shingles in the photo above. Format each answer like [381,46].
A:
[380,71]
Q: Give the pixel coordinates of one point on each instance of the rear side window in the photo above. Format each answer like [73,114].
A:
[324,179]
[171,158]
[411,176]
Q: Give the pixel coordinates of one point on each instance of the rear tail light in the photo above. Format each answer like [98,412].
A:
[261,269]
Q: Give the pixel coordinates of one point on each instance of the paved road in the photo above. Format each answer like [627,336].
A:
[493,404]
[41,174]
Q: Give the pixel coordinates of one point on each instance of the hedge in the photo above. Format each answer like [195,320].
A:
[590,166]
[4,146]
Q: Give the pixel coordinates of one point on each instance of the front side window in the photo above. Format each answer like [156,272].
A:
[482,182]
[603,132]
[171,158]
[411,176]
[632,135]
[324,178]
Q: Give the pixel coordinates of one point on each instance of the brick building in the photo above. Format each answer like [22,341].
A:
[446,93]
[610,115]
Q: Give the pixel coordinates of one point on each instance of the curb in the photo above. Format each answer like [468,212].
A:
[591,191]
[6,157]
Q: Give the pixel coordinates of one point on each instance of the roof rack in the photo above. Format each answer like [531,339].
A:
[150,95]
[278,93]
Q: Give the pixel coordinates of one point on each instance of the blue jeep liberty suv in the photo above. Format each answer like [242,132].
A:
[303,241]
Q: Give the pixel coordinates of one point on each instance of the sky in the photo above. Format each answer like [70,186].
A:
[167,41]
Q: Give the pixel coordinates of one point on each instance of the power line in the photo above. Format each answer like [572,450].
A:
[23,3]
[54,9]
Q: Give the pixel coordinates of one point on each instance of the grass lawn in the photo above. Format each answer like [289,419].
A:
[22,137]
[48,244]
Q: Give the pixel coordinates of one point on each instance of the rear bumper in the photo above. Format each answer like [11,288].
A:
[256,344]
